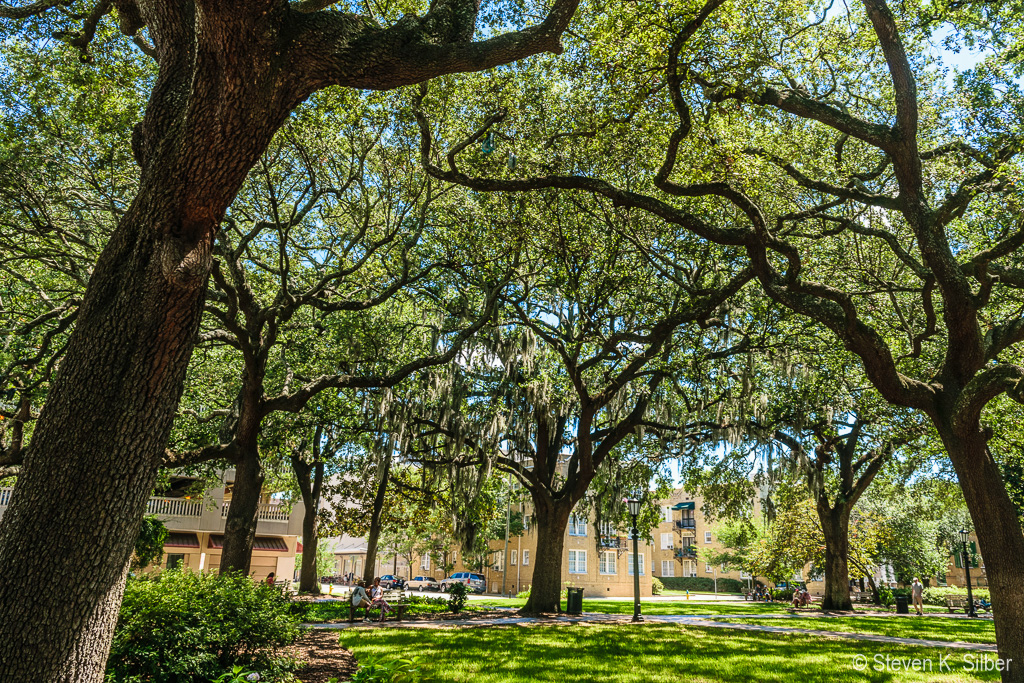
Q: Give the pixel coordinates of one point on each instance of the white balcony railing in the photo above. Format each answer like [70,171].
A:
[269,512]
[176,507]
[5,497]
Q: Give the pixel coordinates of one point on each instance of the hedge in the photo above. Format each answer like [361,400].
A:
[702,584]
[937,595]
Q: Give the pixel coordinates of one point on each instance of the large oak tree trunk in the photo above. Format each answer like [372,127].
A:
[835,524]
[67,536]
[546,589]
[310,481]
[1000,538]
[378,506]
[243,513]
[309,580]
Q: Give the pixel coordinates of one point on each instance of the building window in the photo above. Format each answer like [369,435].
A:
[608,561]
[175,561]
[577,526]
[666,514]
[607,529]
[707,537]
[425,562]
[666,541]
[577,561]
[690,568]
[629,558]
[707,568]
[513,558]
[668,568]
[499,561]
[526,557]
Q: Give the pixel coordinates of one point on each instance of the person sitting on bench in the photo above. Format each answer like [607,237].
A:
[377,595]
[361,599]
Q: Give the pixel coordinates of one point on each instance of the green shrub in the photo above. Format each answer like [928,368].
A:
[185,627]
[703,584]
[524,594]
[457,597]
[937,596]
[656,585]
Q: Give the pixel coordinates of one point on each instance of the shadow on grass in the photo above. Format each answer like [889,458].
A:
[648,654]
[927,628]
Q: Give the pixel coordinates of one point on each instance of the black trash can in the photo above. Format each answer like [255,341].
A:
[574,601]
[902,604]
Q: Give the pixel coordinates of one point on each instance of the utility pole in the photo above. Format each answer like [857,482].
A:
[508,520]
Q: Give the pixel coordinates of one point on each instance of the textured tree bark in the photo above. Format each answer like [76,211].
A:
[1000,538]
[243,514]
[310,480]
[835,523]
[92,463]
[230,73]
[546,589]
[378,506]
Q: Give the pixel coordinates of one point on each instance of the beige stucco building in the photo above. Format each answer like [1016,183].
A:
[195,523]
[599,563]
[681,536]
[196,526]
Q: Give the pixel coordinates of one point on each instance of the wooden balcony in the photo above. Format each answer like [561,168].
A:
[174,507]
[269,512]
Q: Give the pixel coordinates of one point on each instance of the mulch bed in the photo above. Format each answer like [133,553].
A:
[325,658]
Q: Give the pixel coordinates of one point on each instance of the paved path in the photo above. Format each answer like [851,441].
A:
[705,621]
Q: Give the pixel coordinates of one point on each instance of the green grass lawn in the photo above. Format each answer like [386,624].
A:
[693,606]
[928,628]
[673,607]
[655,653]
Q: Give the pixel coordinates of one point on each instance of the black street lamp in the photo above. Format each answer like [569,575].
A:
[967,574]
[634,510]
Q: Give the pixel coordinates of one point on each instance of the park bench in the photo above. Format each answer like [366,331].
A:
[396,600]
[955,603]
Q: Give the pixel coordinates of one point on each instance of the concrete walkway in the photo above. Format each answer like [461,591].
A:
[705,621]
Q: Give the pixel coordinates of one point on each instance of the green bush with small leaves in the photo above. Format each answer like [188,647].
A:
[937,595]
[457,597]
[186,627]
[656,585]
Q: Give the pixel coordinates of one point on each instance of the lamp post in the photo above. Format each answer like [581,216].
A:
[634,510]
[967,574]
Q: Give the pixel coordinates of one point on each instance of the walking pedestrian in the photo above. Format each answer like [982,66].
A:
[917,592]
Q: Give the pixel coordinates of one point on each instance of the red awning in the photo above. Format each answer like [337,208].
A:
[274,543]
[181,539]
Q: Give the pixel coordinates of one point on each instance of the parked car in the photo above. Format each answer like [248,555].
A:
[392,581]
[423,583]
[475,582]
